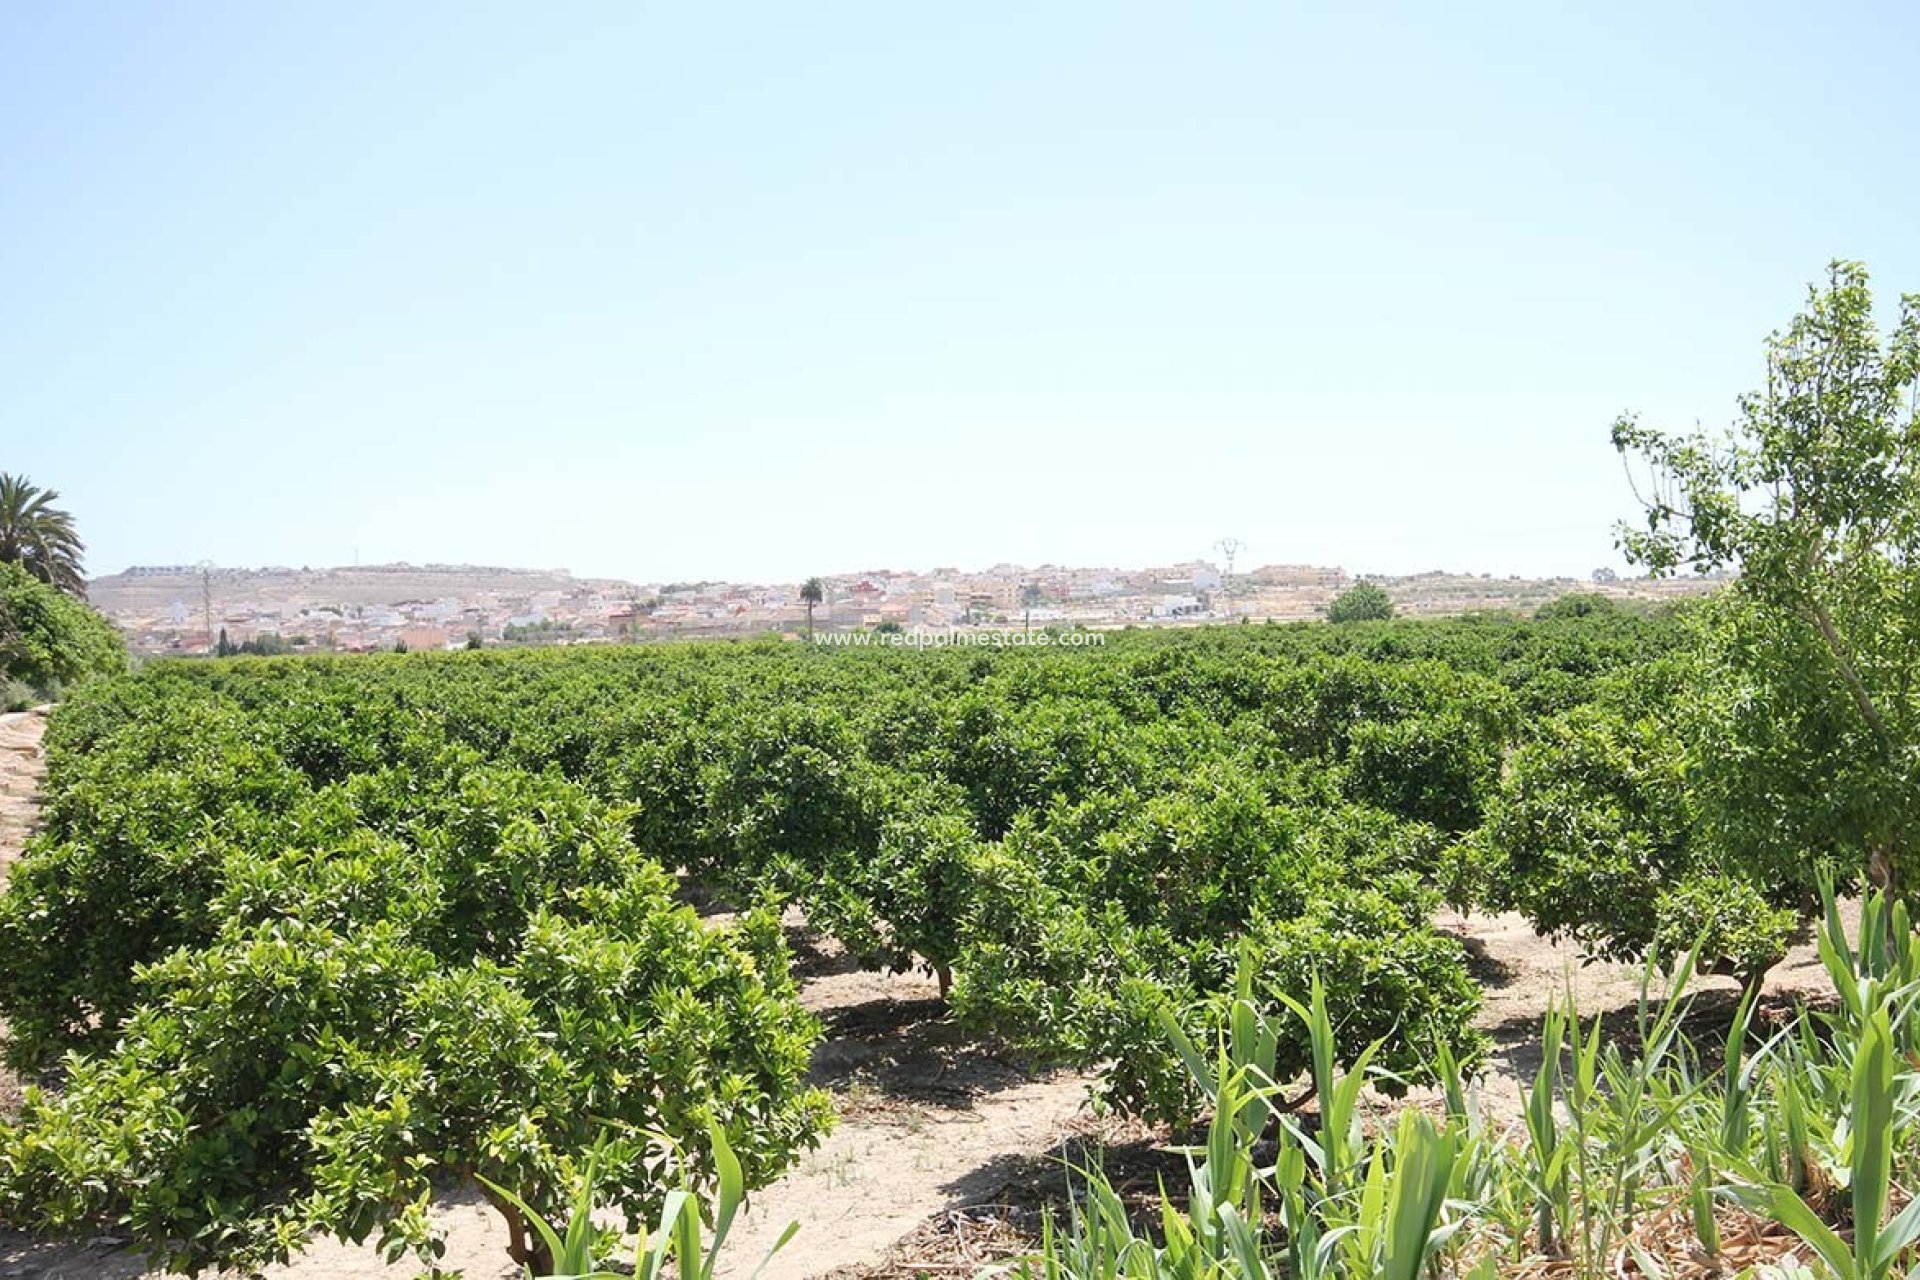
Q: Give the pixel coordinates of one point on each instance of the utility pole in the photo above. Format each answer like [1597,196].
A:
[206,600]
[1229,548]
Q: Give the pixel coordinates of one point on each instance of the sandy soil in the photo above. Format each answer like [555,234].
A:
[928,1119]
[20,773]
[21,769]
[937,1132]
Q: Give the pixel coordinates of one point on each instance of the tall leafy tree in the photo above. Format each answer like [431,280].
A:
[811,594]
[1814,497]
[38,536]
[1362,602]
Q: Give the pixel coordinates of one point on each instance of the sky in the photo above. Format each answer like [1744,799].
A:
[750,292]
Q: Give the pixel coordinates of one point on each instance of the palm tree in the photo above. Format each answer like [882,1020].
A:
[1030,595]
[38,536]
[811,594]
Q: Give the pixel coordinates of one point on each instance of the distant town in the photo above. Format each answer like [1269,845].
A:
[198,609]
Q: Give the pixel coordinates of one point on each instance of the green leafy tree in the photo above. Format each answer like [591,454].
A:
[40,537]
[1814,497]
[47,639]
[1594,836]
[1437,769]
[1575,604]
[811,594]
[1362,602]
[486,1001]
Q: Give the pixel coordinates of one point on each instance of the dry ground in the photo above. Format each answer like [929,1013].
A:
[20,771]
[944,1150]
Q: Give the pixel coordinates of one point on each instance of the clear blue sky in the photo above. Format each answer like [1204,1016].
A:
[680,291]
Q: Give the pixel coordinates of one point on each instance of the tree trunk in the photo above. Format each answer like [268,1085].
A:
[944,973]
[525,1247]
[1882,872]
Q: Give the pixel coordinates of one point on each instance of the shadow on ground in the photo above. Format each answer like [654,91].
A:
[995,1211]
[1705,1026]
[909,1052]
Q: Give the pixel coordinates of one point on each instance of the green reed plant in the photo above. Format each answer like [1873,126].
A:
[676,1247]
[1847,1102]
[1813,1127]
[1349,1207]
[1877,1245]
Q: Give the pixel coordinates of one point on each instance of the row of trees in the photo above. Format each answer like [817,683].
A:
[1072,839]
[453,853]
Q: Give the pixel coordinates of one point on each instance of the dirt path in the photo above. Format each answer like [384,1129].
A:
[929,1119]
[21,769]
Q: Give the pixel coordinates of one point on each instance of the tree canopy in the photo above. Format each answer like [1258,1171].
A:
[1814,497]
[38,536]
[47,639]
[1362,602]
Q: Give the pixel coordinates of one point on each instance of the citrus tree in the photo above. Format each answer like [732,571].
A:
[360,993]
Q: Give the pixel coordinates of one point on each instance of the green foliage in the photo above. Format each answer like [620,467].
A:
[1575,604]
[1737,930]
[1436,769]
[575,1251]
[49,640]
[1343,1212]
[1596,835]
[544,631]
[16,695]
[1362,602]
[291,1078]
[1815,498]
[1815,1128]
[1079,843]
[1590,819]
[1070,982]
[1397,983]
[39,538]
[470,976]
